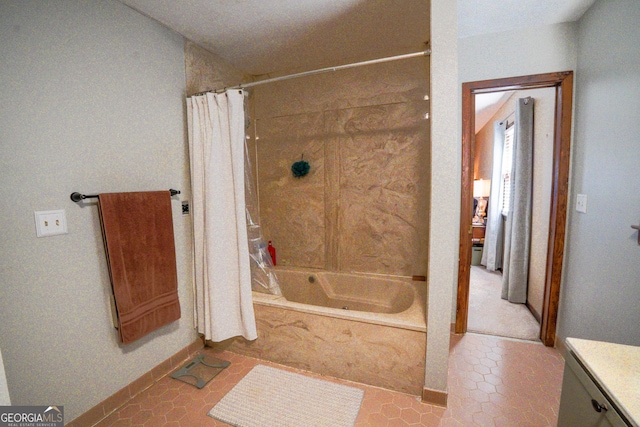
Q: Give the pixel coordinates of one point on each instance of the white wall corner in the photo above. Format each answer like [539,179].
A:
[5,399]
[445,189]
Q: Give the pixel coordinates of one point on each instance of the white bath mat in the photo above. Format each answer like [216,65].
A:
[270,397]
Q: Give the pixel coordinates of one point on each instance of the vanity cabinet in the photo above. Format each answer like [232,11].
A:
[599,386]
[582,404]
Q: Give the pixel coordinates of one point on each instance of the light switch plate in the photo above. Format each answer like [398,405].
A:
[581,203]
[50,223]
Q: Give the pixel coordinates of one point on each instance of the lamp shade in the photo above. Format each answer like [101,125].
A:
[481,188]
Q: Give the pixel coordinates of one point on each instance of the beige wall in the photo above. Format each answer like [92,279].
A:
[363,206]
[542,178]
[483,159]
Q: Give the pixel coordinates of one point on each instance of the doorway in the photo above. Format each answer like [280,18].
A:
[562,82]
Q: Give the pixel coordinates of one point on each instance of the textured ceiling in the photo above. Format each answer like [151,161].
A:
[278,36]
[267,36]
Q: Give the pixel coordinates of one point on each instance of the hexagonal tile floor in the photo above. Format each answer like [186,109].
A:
[492,382]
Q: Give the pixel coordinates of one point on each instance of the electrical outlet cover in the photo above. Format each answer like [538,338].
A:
[581,203]
[50,223]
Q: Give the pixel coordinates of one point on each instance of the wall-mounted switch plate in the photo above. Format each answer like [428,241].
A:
[50,223]
[581,203]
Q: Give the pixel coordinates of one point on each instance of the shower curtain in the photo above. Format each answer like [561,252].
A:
[216,127]
[494,233]
[515,272]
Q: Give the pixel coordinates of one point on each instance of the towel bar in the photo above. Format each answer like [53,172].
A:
[76,197]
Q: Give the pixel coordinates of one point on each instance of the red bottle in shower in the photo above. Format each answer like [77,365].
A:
[272,252]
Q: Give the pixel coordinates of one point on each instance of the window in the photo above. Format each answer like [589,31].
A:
[507,163]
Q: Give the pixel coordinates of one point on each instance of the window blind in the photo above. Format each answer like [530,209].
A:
[507,162]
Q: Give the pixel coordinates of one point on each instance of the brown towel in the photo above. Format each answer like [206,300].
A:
[138,235]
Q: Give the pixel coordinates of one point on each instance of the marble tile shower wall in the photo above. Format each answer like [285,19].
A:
[364,204]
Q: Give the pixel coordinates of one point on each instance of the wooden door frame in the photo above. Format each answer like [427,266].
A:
[563,84]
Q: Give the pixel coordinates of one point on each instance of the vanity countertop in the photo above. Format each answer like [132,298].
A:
[616,369]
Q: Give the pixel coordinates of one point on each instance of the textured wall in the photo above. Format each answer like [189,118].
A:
[444,216]
[92,101]
[483,156]
[541,197]
[519,52]
[207,71]
[601,296]
[363,206]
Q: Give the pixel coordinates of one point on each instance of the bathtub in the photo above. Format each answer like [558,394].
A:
[359,327]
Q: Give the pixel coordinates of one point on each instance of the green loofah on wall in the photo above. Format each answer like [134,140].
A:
[300,168]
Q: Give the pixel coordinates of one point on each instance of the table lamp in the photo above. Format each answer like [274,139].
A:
[481,191]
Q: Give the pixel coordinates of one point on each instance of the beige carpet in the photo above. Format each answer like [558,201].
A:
[490,314]
[271,397]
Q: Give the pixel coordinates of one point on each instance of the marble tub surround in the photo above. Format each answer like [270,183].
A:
[383,157]
[378,84]
[292,210]
[363,205]
[616,368]
[382,349]
[383,356]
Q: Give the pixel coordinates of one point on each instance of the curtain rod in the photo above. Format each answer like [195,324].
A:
[319,71]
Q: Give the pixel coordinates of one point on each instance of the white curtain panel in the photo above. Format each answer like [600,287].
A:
[224,308]
[494,233]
